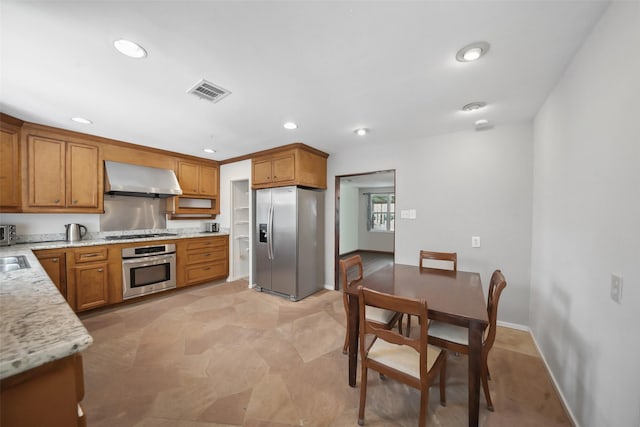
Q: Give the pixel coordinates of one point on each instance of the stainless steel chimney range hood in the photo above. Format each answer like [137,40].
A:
[126,179]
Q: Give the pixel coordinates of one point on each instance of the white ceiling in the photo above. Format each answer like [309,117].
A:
[329,66]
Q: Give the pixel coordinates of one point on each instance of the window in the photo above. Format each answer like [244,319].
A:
[381,212]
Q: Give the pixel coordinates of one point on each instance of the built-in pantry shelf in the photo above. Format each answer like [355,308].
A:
[240,228]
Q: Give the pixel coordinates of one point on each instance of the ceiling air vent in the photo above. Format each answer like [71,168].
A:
[209,91]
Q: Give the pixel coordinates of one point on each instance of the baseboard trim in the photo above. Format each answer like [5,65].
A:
[510,325]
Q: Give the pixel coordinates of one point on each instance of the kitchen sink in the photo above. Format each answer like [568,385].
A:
[10,263]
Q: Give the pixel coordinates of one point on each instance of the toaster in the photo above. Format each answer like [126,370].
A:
[7,235]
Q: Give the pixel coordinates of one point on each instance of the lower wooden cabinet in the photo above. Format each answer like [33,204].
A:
[92,285]
[54,262]
[94,277]
[91,276]
[48,395]
[202,259]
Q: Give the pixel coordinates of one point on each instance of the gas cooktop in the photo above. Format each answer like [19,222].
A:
[138,236]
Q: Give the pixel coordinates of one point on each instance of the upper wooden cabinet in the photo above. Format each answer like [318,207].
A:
[199,180]
[10,200]
[63,176]
[295,164]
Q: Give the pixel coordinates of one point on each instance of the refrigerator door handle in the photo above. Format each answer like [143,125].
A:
[270,233]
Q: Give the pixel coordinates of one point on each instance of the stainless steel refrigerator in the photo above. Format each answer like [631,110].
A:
[289,241]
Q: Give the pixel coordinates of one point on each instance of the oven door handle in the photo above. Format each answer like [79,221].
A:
[149,260]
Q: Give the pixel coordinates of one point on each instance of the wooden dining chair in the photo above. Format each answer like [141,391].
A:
[438,260]
[351,271]
[430,260]
[411,361]
[456,338]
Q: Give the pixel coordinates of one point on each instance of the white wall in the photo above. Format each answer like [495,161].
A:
[349,219]
[372,240]
[461,185]
[49,223]
[586,224]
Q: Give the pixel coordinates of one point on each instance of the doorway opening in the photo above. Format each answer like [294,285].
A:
[365,219]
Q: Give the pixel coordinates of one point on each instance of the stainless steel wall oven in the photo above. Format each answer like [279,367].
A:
[148,269]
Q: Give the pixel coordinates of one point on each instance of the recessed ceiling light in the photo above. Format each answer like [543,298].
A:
[474,106]
[482,124]
[290,126]
[209,150]
[361,131]
[81,120]
[129,48]
[472,51]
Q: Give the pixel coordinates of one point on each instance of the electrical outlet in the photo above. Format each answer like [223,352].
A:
[616,288]
[412,214]
[404,214]
[475,241]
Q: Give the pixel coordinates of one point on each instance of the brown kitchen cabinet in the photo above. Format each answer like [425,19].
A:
[202,259]
[192,208]
[94,278]
[10,189]
[48,395]
[54,262]
[294,164]
[200,180]
[63,176]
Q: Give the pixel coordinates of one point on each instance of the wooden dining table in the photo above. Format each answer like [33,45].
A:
[454,297]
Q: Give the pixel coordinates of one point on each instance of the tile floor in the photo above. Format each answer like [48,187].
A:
[225,355]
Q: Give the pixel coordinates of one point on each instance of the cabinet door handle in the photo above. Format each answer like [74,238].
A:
[54,259]
[89,255]
[208,268]
[56,201]
[99,270]
[207,254]
[75,202]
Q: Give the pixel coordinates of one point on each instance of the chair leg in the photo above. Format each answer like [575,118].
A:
[443,381]
[424,403]
[363,395]
[408,331]
[485,386]
[345,347]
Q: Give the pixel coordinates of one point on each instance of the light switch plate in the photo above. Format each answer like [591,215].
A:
[412,214]
[475,241]
[616,288]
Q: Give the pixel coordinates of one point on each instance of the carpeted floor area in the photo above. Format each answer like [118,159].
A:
[222,354]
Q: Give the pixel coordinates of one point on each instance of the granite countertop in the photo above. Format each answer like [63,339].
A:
[57,244]
[37,325]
